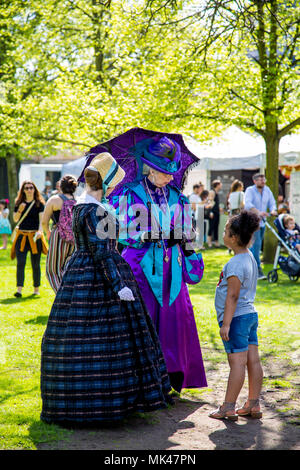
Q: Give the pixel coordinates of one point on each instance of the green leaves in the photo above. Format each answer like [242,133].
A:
[76,72]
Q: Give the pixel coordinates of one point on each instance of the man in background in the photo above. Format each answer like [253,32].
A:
[195,201]
[259,198]
[214,216]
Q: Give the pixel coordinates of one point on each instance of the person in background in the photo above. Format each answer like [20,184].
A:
[201,187]
[195,202]
[292,233]
[238,319]
[259,199]
[214,217]
[5,228]
[57,189]
[29,207]
[236,199]
[283,206]
[61,241]
[194,198]
[205,204]
[47,190]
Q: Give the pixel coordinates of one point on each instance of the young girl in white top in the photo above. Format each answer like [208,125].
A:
[5,228]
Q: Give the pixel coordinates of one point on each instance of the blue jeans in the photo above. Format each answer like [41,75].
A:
[242,332]
[256,247]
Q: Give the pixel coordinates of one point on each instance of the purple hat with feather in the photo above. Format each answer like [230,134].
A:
[163,155]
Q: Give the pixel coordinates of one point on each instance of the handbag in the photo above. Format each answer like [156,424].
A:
[237,211]
[192,266]
[15,231]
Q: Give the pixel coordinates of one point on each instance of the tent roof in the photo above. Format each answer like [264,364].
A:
[233,150]
[74,168]
[236,149]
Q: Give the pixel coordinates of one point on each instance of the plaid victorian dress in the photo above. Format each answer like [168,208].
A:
[101,358]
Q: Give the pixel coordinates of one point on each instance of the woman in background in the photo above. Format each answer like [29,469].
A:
[29,207]
[61,242]
[236,199]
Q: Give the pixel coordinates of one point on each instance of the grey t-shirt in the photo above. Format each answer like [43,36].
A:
[244,267]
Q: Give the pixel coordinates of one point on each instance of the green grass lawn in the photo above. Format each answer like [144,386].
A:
[23,322]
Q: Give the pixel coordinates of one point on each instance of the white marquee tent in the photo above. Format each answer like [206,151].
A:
[74,167]
[235,150]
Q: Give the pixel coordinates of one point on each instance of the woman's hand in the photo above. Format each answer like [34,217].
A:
[21,207]
[38,234]
[224,332]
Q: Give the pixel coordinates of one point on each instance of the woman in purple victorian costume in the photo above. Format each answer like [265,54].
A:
[157,231]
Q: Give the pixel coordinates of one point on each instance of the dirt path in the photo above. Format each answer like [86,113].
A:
[186,426]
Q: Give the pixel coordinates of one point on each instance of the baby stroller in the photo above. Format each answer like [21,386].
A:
[290,265]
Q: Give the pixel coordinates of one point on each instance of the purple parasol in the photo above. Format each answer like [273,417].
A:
[119,147]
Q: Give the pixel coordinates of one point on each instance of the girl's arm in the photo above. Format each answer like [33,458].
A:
[40,230]
[46,216]
[233,292]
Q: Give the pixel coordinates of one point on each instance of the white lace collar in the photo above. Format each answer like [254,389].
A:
[85,198]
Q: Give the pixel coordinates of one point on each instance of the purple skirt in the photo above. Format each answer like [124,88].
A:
[175,324]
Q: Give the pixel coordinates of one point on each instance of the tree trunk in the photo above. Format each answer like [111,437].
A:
[13,183]
[272,151]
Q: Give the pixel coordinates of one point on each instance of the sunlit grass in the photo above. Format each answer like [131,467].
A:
[23,322]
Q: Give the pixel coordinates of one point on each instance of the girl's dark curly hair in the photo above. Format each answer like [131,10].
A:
[243,226]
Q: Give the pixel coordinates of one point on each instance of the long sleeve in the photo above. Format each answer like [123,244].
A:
[249,202]
[100,249]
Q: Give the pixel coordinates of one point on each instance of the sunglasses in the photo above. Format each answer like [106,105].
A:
[27,188]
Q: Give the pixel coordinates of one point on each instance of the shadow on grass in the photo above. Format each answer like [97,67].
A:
[40,320]
[42,433]
[15,394]
[15,300]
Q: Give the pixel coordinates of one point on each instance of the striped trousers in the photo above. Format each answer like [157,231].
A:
[58,255]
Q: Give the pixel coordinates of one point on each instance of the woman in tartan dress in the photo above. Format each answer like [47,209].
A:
[101,358]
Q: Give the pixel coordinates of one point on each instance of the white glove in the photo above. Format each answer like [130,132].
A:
[126,294]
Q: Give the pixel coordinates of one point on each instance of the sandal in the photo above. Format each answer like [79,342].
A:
[225,411]
[250,408]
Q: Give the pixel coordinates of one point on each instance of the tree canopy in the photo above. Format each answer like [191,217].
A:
[76,72]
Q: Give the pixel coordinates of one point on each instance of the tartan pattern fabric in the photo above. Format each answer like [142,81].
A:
[101,357]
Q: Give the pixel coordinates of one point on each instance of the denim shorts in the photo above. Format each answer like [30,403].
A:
[243,331]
